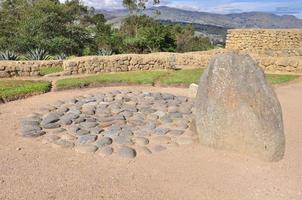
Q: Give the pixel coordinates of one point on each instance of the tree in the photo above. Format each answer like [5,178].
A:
[47,24]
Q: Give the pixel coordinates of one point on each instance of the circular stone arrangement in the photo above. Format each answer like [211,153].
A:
[125,123]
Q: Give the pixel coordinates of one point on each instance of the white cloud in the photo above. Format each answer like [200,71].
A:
[217,6]
[104,4]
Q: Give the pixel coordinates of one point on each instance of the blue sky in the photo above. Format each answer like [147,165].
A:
[281,7]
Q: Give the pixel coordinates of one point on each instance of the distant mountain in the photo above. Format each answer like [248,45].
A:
[211,24]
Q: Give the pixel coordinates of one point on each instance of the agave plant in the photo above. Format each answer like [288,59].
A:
[38,54]
[8,55]
[61,56]
[104,52]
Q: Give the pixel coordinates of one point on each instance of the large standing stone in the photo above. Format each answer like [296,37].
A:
[237,110]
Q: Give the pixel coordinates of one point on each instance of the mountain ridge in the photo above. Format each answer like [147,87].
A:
[210,25]
[233,20]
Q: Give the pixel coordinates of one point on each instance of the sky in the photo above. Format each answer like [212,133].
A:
[280,7]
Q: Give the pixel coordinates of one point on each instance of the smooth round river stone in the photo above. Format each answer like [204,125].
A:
[86,148]
[140,141]
[63,144]
[123,140]
[50,118]
[161,131]
[104,142]
[96,130]
[51,126]
[126,152]
[176,132]
[84,139]
[106,151]
[82,132]
[88,125]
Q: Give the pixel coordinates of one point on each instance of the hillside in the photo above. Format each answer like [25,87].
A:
[211,24]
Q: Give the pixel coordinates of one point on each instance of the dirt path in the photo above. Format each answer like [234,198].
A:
[31,170]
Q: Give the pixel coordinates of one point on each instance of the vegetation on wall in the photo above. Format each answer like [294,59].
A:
[70,28]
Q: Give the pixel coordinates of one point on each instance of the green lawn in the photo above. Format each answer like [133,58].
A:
[17,88]
[181,77]
[50,70]
[169,78]
[186,77]
[280,78]
[146,77]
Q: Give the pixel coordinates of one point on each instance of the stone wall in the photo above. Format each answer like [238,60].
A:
[284,61]
[262,39]
[25,68]
[275,50]
[137,62]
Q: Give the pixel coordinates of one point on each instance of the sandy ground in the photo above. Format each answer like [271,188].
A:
[38,171]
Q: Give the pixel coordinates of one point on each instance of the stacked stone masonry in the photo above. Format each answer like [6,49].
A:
[25,68]
[275,50]
[264,39]
[137,62]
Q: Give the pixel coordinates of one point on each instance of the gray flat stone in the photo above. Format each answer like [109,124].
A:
[87,148]
[51,126]
[88,125]
[126,152]
[82,132]
[105,141]
[175,115]
[30,122]
[85,139]
[63,144]
[106,151]
[176,132]
[161,131]
[50,118]
[96,130]
[140,141]
[123,140]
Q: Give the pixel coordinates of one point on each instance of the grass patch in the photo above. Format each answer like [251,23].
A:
[143,77]
[13,89]
[186,77]
[169,78]
[50,70]
[182,77]
[280,78]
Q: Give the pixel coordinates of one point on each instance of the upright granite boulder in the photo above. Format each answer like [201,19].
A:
[237,110]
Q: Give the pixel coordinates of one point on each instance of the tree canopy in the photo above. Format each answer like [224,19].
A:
[72,28]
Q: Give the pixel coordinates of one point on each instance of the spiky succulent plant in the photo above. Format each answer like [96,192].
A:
[38,54]
[104,52]
[8,55]
[61,56]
